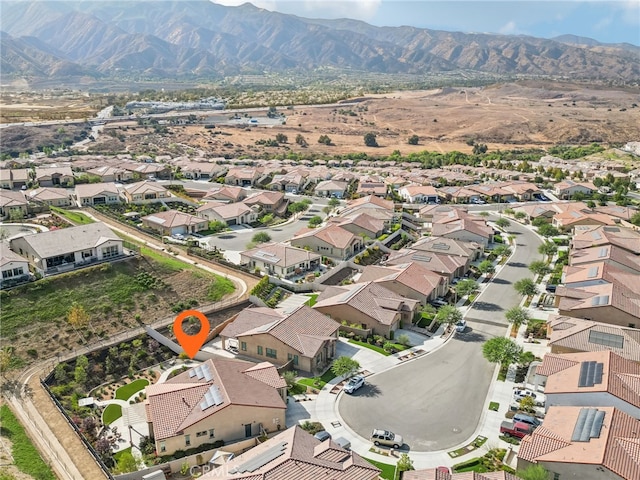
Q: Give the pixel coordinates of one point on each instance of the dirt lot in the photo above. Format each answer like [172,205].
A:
[503,116]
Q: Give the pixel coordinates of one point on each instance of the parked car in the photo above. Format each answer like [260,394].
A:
[515,429]
[461,326]
[551,288]
[322,435]
[528,419]
[354,384]
[518,395]
[387,438]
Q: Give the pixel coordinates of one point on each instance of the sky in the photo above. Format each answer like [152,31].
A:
[608,21]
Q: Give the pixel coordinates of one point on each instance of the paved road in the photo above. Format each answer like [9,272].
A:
[435,402]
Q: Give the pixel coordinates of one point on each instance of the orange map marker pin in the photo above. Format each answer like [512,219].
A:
[191,344]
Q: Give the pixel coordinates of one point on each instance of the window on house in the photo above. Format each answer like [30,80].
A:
[556,476]
[111,251]
[243,346]
[260,350]
[211,433]
[163,447]
[271,353]
[187,440]
[201,434]
[293,357]
[20,271]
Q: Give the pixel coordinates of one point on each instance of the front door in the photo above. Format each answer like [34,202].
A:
[247,430]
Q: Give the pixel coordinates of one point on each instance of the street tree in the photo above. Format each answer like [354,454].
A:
[404,463]
[486,266]
[539,267]
[501,350]
[261,237]
[533,472]
[502,250]
[548,230]
[517,316]
[334,202]
[503,223]
[449,315]
[315,221]
[370,139]
[525,287]
[344,366]
[519,215]
[466,287]
[548,248]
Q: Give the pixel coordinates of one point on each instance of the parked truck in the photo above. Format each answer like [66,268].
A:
[515,429]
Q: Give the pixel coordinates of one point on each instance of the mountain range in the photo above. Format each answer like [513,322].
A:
[201,39]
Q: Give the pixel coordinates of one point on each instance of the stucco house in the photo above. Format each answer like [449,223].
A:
[296,454]
[56,197]
[466,229]
[145,192]
[368,304]
[587,443]
[14,178]
[269,202]
[66,249]
[305,337]
[110,173]
[331,188]
[330,240]
[13,204]
[221,399]
[91,194]
[243,176]
[54,176]
[231,213]
[172,222]
[568,188]
[13,267]
[280,259]
[591,379]
[419,194]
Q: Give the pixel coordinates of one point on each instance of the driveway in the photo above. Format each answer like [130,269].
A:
[435,402]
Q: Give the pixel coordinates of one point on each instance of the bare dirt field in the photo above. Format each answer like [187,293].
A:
[504,116]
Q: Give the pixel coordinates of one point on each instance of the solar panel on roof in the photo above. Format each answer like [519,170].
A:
[593,272]
[596,235]
[588,425]
[606,339]
[590,374]
[261,459]
[421,258]
[441,246]
[603,252]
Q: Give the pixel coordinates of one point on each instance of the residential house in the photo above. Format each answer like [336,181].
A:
[140,171]
[243,176]
[296,454]
[492,192]
[66,249]
[567,220]
[280,259]
[456,194]
[361,224]
[226,194]
[304,337]
[572,335]
[466,230]
[219,400]
[419,194]
[172,222]
[143,192]
[331,188]
[447,266]
[522,191]
[370,305]
[91,194]
[533,212]
[586,443]
[268,202]
[14,268]
[567,189]
[292,182]
[591,379]
[231,214]
[14,178]
[54,176]
[13,205]
[410,280]
[613,255]
[201,170]
[330,240]
[57,197]
[110,173]
[595,236]
[374,186]
[440,474]
[373,206]
[472,251]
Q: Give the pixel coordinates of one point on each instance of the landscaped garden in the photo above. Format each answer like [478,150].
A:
[111,413]
[72,216]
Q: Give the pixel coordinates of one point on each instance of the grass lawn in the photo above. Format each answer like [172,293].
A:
[220,287]
[375,348]
[312,299]
[388,471]
[117,455]
[25,455]
[126,391]
[76,217]
[167,261]
[324,379]
[111,414]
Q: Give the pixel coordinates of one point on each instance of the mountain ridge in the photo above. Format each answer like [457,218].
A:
[198,38]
